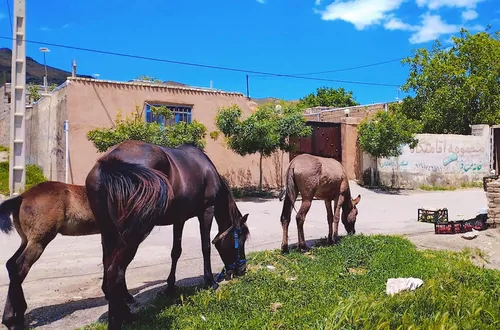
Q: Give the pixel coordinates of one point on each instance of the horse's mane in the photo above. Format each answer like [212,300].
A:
[234,212]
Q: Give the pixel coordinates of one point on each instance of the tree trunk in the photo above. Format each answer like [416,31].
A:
[260,173]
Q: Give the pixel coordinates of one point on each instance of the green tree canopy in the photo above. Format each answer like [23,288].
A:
[455,87]
[328,97]
[135,127]
[384,134]
[265,131]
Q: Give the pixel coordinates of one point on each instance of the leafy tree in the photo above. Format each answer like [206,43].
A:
[148,78]
[33,92]
[265,131]
[328,97]
[384,134]
[455,87]
[134,127]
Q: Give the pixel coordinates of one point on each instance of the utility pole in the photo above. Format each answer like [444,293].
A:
[45,50]
[17,163]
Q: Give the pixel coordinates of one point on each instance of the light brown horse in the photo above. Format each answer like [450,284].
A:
[39,214]
[325,179]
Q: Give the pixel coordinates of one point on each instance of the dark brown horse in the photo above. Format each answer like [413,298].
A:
[136,186]
[39,214]
[323,178]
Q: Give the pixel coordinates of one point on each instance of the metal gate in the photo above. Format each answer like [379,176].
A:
[325,141]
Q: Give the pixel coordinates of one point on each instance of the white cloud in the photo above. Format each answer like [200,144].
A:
[431,28]
[45,29]
[360,13]
[318,2]
[65,26]
[395,23]
[261,1]
[436,4]
[469,15]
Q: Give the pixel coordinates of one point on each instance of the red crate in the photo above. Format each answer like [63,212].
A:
[461,226]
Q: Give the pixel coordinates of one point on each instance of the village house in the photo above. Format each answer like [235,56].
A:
[90,103]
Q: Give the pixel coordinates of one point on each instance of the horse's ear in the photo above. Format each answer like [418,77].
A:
[244,218]
[356,200]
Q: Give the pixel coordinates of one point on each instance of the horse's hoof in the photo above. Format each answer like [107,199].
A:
[215,286]
[304,249]
[17,327]
[284,250]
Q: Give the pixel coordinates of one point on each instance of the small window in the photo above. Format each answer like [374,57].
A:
[181,113]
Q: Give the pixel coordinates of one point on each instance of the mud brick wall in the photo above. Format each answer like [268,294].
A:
[493,196]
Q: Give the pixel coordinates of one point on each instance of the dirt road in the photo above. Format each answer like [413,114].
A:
[63,288]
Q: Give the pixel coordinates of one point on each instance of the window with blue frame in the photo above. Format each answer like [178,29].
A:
[181,113]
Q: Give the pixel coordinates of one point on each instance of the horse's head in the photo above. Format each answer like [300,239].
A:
[349,217]
[231,247]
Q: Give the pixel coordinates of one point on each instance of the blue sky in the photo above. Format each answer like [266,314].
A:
[282,36]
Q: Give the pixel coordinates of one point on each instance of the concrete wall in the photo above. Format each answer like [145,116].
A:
[95,103]
[44,134]
[4,118]
[439,159]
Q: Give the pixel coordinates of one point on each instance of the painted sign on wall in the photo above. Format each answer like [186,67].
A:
[448,156]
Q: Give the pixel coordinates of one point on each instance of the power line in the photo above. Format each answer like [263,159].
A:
[203,65]
[343,69]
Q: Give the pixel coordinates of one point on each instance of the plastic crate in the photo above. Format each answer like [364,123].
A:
[432,216]
[462,226]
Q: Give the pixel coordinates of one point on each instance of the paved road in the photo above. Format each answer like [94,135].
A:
[63,287]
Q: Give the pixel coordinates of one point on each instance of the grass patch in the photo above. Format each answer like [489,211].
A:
[3,148]
[463,185]
[339,287]
[253,192]
[34,175]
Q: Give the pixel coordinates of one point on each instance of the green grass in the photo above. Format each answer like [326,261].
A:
[463,185]
[340,287]
[3,148]
[34,175]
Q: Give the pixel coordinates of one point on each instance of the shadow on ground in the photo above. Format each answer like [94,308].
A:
[144,296]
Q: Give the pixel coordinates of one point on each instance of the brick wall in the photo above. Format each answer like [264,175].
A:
[493,197]
[335,114]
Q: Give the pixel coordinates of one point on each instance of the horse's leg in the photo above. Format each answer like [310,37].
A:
[336,217]
[128,296]
[116,259]
[18,273]
[286,214]
[8,318]
[205,225]
[301,218]
[175,255]
[329,212]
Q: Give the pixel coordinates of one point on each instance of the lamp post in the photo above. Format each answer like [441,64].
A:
[45,50]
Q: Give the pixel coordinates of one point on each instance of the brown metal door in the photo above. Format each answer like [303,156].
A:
[325,141]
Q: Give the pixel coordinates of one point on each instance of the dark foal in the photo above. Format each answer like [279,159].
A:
[323,178]
[39,214]
[136,186]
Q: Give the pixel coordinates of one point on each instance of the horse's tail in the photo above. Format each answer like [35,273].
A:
[289,191]
[7,208]
[135,195]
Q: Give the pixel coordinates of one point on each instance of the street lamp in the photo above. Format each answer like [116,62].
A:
[45,83]
[346,112]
